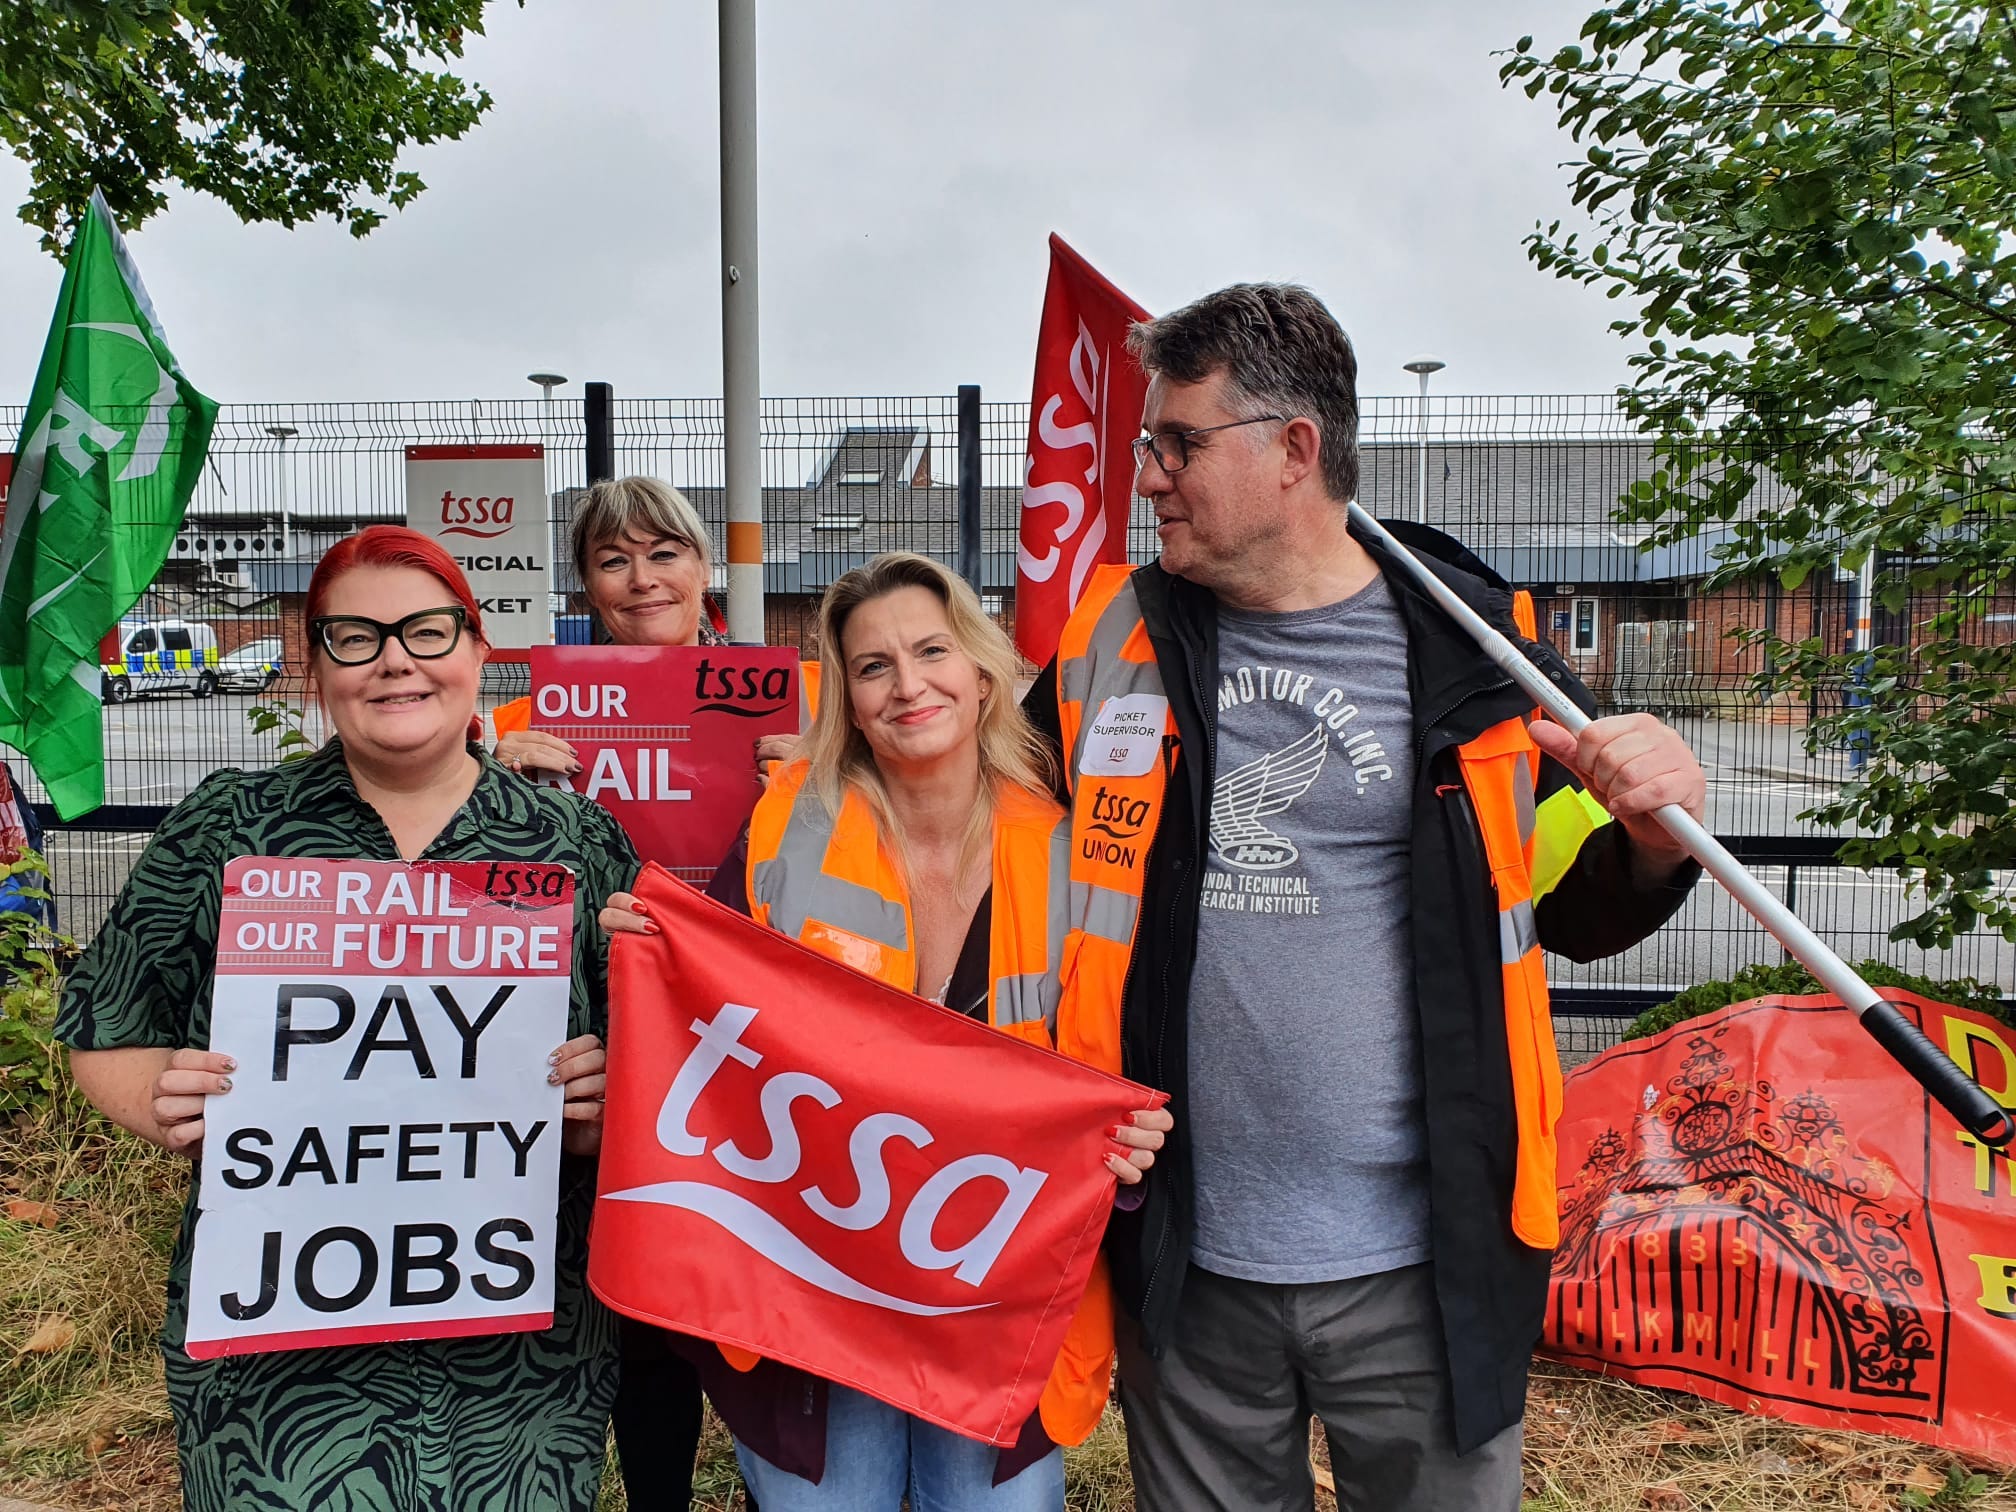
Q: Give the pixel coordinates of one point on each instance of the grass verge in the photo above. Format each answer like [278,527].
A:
[83,1257]
[84,1421]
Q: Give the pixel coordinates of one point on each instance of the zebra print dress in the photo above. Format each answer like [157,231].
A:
[505,1423]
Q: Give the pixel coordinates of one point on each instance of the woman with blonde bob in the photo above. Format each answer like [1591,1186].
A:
[922,781]
[641,553]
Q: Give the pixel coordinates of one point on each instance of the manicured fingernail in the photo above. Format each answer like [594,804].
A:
[573,768]
[650,929]
[224,1085]
[639,908]
[230,1064]
[552,1078]
[553,1059]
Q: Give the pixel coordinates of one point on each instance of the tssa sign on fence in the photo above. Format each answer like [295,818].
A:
[882,1191]
[666,737]
[489,507]
[386,1164]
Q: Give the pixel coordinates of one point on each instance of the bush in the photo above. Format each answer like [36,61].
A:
[1792,978]
[32,958]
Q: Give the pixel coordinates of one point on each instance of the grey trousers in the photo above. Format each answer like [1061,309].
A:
[1221,1421]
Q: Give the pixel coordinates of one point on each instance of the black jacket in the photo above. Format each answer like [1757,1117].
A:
[1492,1288]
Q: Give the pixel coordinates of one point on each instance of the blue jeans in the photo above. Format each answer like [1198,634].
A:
[876,1455]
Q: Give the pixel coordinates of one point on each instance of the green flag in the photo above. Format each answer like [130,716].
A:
[111,448]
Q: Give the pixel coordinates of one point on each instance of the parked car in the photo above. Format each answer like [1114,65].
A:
[252,668]
[162,656]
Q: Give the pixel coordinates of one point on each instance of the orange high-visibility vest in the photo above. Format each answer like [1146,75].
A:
[827,881]
[1118,757]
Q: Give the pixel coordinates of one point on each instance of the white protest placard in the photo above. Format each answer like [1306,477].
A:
[488,506]
[386,1164]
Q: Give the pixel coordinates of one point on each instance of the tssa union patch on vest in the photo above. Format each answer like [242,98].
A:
[1124,737]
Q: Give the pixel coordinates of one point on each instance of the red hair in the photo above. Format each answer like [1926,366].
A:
[393,546]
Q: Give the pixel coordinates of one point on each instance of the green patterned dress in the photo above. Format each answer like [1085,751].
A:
[505,1423]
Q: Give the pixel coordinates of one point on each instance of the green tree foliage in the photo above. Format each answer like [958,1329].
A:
[286,110]
[1811,210]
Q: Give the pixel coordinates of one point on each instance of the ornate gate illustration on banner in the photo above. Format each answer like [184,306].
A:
[1737,1233]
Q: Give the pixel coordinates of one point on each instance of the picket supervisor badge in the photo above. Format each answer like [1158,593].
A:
[1124,737]
[386,1164]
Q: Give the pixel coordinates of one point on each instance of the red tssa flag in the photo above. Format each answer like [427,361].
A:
[1080,479]
[802,1162]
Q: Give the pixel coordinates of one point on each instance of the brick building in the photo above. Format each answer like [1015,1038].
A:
[1635,621]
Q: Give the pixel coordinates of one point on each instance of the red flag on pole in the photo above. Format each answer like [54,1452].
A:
[1079,484]
[800,1161]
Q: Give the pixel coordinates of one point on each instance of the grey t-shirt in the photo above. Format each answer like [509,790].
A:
[1305,1051]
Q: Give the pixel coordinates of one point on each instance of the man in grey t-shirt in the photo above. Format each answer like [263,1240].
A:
[1350,1216]
[1305,891]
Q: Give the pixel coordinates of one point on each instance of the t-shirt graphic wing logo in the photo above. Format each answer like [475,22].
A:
[1258,790]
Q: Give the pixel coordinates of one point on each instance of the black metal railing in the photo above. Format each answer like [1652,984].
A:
[1530,483]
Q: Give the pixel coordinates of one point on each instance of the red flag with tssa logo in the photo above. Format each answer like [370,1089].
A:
[802,1162]
[1079,484]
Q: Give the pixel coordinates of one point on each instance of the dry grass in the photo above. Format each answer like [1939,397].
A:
[1598,1445]
[94,1408]
[86,1426]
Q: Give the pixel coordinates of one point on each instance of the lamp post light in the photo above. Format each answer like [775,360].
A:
[1423,366]
[283,434]
[547,383]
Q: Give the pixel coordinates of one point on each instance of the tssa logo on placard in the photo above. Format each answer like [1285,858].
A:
[746,692]
[1116,820]
[462,514]
[720,1041]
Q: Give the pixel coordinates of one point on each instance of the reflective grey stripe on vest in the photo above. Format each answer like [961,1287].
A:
[1019,999]
[1517,933]
[1104,912]
[794,884]
[1522,797]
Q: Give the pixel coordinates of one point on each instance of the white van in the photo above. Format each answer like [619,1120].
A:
[163,656]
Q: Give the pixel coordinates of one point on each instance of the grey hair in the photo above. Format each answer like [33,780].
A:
[645,506]
[1280,349]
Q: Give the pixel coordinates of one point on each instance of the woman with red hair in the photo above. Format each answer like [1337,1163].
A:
[507,1421]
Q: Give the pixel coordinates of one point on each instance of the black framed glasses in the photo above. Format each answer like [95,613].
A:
[1172,448]
[354,641]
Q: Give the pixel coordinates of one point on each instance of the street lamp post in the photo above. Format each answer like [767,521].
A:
[741,380]
[1423,366]
[547,383]
[283,434]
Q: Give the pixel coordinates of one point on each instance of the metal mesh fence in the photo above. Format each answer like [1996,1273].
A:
[1530,483]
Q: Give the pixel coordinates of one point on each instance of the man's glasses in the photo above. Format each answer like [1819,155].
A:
[355,642]
[1172,448]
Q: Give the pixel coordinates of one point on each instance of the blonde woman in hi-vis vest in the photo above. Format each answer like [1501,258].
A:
[923,786]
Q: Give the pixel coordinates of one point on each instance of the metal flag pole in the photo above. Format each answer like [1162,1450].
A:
[741,384]
[1955,1091]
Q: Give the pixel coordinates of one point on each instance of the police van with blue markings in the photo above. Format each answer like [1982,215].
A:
[162,656]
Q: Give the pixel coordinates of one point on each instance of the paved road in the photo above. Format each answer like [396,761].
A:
[1759,781]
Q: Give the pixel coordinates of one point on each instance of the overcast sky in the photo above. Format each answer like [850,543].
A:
[915,155]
